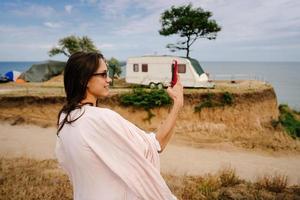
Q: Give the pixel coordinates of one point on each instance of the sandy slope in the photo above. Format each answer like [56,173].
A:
[36,142]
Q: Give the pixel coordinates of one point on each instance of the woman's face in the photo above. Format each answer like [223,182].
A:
[98,85]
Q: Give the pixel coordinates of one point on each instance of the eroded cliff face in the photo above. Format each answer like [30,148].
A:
[247,122]
[253,110]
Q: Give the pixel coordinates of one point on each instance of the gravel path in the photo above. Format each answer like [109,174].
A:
[36,142]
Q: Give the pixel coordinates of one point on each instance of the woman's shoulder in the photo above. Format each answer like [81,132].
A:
[101,116]
[93,111]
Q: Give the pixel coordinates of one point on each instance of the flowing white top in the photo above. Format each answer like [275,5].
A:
[108,157]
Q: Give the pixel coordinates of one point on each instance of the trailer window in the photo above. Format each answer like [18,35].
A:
[181,68]
[135,67]
[144,67]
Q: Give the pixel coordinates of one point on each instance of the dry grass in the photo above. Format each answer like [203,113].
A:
[22,178]
[55,87]
[228,177]
[44,89]
[274,183]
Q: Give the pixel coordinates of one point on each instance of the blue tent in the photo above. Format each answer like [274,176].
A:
[12,75]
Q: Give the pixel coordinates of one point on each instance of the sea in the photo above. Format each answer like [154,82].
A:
[284,76]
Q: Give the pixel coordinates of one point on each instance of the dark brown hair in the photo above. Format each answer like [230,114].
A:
[79,69]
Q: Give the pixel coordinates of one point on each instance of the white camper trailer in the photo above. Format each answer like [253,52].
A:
[157,71]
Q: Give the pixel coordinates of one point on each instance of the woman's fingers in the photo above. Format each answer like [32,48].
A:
[170,92]
[176,91]
[178,84]
[178,80]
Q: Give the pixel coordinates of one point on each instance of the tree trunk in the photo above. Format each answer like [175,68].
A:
[188,47]
[66,53]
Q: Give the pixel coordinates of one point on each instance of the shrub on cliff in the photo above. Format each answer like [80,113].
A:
[288,120]
[210,101]
[227,98]
[146,99]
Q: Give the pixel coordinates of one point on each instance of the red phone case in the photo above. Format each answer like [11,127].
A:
[174,73]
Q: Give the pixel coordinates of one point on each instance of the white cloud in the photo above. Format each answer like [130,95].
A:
[16,33]
[126,27]
[52,24]
[271,47]
[27,46]
[85,26]
[107,46]
[89,1]
[139,26]
[113,8]
[68,8]
[139,21]
[255,20]
[35,10]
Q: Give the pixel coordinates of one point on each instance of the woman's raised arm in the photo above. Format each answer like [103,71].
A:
[165,130]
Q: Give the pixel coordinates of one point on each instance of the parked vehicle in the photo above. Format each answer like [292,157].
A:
[156,71]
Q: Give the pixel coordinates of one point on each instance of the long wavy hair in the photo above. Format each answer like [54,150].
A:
[79,69]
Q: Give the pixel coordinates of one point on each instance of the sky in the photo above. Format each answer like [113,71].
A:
[252,30]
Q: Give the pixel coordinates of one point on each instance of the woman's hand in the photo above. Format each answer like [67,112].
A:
[176,93]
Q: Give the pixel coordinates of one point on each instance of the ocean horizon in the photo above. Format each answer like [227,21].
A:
[283,76]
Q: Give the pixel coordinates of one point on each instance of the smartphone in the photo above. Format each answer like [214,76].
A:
[174,73]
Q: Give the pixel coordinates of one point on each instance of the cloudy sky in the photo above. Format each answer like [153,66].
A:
[252,30]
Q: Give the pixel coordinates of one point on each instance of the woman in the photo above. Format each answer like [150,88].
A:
[106,156]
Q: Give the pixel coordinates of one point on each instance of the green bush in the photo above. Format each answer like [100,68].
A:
[205,104]
[146,99]
[227,98]
[288,121]
[210,101]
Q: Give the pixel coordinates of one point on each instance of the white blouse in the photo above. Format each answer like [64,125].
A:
[107,157]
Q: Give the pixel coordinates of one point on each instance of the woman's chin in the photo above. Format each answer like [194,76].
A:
[105,94]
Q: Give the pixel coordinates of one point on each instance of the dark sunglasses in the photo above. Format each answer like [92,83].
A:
[102,74]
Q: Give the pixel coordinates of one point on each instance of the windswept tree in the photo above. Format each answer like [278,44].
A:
[73,44]
[114,68]
[189,23]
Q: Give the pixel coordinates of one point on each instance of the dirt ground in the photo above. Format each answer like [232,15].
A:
[39,143]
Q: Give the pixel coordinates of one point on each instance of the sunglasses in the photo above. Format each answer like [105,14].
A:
[104,74]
